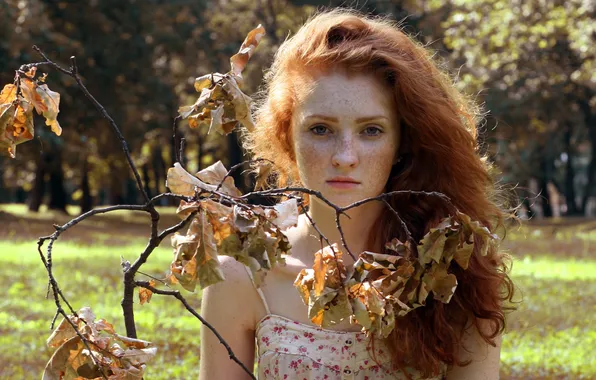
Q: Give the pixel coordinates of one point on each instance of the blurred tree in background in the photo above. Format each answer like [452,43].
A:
[531,63]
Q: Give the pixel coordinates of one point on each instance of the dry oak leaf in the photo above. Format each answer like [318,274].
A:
[322,288]
[239,60]
[29,91]
[221,103]
[51,100]
[116,357]
[182,182]
[441,283]
[478,230]
[195,256]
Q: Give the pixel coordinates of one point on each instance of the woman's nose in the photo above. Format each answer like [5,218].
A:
[345,154]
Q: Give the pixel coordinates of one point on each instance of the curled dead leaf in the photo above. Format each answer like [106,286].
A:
[145,294]
[322,288]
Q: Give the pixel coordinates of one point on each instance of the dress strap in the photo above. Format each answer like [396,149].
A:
[257,289]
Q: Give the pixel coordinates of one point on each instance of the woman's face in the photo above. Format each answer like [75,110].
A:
[345,131]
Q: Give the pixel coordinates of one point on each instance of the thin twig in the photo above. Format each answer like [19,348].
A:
[401,221]
[73,72]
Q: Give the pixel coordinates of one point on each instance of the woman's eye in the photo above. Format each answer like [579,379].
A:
[319,129]
[373,131]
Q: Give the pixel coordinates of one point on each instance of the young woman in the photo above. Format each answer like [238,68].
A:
[353,108]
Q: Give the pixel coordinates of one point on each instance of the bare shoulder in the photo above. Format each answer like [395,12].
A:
[233,294]
[484,357]
[234,272]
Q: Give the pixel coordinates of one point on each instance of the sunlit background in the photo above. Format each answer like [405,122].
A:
[531,64]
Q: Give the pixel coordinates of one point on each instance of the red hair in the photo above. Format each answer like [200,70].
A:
[439,151]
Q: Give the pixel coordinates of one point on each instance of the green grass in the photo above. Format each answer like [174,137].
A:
[89,276]
[551,335]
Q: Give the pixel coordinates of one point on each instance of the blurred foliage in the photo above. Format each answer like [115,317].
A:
[531,63]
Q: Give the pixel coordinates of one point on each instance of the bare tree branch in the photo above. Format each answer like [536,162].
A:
[73,72]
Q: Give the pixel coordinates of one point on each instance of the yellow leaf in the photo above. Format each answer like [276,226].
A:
[8,94]
[29,91]
[145,294]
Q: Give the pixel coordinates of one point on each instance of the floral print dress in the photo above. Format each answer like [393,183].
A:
[289,349]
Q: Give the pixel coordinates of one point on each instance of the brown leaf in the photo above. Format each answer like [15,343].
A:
[72,359]
[182,182]
[441,283]
[207,81]
[239,60]
[431,246]
[240,102]
[322,288]
[29,91]
[7,115]
[31,72]
[214,174]
[61,334]
[463,254]
[145,294]
[263,171]
[320,270]
[58,367]
[51,100]
[8,94]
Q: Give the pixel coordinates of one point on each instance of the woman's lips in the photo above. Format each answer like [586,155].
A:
[342,184]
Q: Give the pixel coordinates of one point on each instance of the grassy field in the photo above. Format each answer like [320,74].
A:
[552,335]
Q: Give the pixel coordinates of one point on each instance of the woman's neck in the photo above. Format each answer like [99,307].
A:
[356,228]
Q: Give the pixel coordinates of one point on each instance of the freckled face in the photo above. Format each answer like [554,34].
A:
[345,131]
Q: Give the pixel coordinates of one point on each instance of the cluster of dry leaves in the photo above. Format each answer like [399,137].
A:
[17,102]
[376,290]
[380,287]
[107,356]
[222,104]
[251,234]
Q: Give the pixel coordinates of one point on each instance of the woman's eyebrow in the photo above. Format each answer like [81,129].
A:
[334,119]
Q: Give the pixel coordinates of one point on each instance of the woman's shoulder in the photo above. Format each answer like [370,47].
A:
[234,294]
[236,275]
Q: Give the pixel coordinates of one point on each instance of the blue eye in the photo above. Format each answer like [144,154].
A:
[373,131]
[319,129]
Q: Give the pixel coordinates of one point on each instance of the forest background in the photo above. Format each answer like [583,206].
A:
[531,63]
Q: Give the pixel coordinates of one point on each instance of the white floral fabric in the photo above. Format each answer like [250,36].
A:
[292,350]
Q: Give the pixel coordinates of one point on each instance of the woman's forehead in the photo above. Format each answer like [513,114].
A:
[340,94]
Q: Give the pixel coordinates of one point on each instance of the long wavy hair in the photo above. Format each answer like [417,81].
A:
[439,151]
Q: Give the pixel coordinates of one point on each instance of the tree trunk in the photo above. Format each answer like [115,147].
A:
[146,179]
[86,200]
[4,195]
[58,194]
[590,123]
[115,193]
[589,190]
[547,210]
[158,166]
[569,174]
[38,191]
